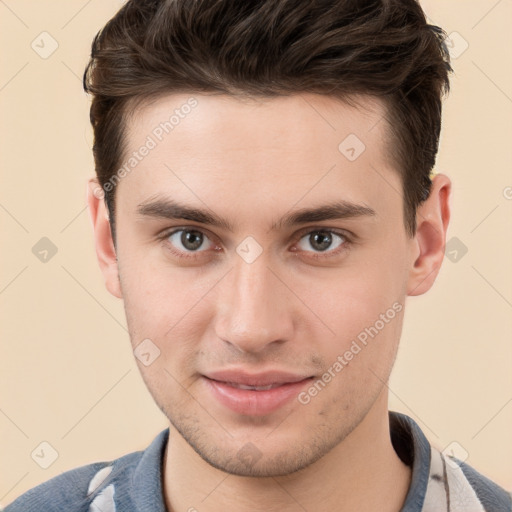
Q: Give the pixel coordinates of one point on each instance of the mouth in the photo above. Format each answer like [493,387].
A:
[254,394]
[253,388]
[267,379]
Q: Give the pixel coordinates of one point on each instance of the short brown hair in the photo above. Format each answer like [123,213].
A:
[266,48]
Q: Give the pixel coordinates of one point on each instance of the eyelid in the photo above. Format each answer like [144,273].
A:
[166,233]
[341,232]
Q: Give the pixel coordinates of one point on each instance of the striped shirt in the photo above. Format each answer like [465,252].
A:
[133,482]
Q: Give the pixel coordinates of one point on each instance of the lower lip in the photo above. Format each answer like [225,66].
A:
[254,403]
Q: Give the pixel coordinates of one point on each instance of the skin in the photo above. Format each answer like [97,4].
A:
[251,163]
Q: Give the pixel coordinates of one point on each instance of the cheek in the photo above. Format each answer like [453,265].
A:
[364,309]
[356,300]
[158,299]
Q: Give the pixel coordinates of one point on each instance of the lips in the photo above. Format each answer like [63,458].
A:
[254,394]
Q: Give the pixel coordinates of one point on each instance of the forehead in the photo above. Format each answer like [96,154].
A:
[285,120]
[280,150]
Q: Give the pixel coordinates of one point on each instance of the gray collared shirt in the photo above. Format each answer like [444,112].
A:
[133,483]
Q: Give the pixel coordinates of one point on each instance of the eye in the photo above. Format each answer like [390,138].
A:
[323,241]
[189,240]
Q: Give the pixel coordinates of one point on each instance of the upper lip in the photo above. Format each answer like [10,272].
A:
[255,379]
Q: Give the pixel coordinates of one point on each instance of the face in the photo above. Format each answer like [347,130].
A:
[267,266]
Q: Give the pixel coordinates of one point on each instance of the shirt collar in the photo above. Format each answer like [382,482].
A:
[413,448]
[147,488]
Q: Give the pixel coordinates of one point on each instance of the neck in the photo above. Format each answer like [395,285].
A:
[362,473]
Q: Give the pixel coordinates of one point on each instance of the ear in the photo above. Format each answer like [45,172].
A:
[103,242]
[432,218]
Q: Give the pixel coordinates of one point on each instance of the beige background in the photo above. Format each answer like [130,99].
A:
[67,374]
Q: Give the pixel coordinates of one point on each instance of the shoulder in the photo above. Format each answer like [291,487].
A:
[74,490]
[464,487]
[439,481]
[491,495]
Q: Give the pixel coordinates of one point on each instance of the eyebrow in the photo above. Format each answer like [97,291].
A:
[173,210]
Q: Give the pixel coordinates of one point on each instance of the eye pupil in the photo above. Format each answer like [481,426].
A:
[191,240]
[321,240]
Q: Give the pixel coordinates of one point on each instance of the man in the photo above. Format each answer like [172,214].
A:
[264,204]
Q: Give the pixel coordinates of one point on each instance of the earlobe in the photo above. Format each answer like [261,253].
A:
[429,242]
[103,242]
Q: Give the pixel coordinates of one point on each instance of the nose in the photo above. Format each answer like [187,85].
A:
[253,308]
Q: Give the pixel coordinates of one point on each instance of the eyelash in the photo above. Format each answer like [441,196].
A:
[192,255]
